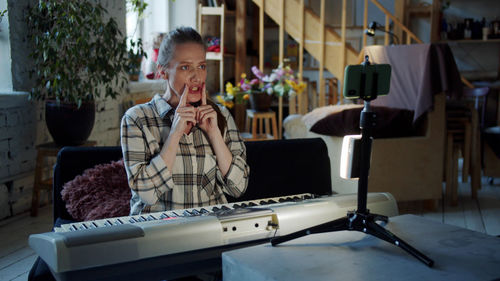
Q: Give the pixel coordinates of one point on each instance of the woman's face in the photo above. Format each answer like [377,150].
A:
[187,68]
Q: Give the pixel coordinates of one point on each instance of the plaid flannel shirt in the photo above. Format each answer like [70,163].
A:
[196,180]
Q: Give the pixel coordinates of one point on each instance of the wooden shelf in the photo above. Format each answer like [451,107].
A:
[221,14]
[215,11]
[217,55]
[471,41]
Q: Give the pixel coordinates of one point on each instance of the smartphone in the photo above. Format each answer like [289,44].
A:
[378,73]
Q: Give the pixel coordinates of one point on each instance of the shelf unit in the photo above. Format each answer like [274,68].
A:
[216,56]
[496,40]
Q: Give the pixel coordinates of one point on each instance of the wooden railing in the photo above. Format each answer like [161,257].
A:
[388,16]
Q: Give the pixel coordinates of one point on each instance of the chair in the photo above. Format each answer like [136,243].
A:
[480,97]
[464,130]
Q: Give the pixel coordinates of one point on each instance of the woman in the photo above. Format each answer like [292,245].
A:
[180,149]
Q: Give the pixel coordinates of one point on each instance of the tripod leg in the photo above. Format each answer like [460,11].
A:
[380,218]
[384,234]
[335,225]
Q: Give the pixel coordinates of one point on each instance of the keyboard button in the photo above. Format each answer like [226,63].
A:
[151,218]
[215,209]
[252,204]
[244,205]
[236,206]
[163,216]
[263,202]
[225,208]
[204,211]
[195,212]
[186,213]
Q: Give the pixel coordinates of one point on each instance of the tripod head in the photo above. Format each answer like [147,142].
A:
[367,81]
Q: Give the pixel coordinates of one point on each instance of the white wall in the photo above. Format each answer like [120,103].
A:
[183,13]
[5,59]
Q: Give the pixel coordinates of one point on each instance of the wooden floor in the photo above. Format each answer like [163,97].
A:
[483,215]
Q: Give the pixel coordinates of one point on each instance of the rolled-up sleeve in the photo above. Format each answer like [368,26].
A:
[235,181]
[147,174]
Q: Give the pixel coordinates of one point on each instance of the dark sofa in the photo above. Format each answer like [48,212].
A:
[277,168]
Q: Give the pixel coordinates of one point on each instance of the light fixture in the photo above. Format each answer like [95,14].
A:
[370,31]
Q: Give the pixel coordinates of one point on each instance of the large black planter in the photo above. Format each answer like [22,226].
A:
[68,124]
[260,101]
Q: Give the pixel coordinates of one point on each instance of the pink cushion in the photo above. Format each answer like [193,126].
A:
[100,192]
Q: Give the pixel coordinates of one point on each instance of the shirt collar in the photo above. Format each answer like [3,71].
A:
[162,106]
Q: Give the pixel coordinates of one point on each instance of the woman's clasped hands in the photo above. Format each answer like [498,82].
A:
[187,115]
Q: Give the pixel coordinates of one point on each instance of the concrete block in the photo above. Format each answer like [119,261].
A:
[4,202]
[20,194]
[13,169]
[13,117]
[4,169]
[24,204]
[4,145]
[3,157]
[3,119]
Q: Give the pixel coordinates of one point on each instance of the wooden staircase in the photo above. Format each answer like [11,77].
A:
[312,38]
[322,42]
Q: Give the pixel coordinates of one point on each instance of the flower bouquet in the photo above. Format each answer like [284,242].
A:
[281,82]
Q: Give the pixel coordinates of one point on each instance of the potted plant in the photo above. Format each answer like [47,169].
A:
[79,55]
[135,55]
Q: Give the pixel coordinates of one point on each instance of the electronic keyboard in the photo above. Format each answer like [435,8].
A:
[112,241]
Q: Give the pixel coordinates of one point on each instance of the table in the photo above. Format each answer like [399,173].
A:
[43,151]
[459,254]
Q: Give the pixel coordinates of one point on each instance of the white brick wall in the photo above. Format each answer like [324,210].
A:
[22,127]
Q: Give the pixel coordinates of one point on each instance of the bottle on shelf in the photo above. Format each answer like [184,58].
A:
[468,28]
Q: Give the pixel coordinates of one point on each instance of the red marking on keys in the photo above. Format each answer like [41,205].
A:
[170,218]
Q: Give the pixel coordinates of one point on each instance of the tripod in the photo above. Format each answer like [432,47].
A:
[361,219]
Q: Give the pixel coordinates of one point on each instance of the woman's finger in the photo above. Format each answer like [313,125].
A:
[182,109]
[203,95]
[184,95]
